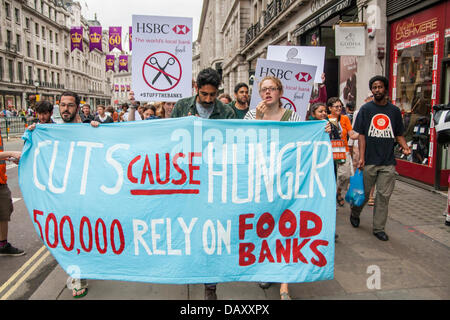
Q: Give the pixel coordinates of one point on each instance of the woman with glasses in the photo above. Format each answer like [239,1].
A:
[271,108]
[342,122]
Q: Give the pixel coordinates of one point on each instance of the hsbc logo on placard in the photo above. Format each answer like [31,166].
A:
[181,29]
[303,77]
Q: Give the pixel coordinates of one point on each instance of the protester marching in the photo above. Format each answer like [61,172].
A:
[200,195]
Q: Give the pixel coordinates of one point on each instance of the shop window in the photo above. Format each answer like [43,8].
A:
[447,44]
[414,90]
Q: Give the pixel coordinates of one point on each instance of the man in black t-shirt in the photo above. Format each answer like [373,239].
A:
[379,124]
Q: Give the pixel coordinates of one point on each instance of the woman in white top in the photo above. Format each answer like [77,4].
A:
[271,108]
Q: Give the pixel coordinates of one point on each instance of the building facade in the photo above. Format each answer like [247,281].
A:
[35,56]
[406,41]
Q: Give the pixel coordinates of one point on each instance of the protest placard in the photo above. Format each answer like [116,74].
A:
[162,58]
[240,201]
[310,55]
[297,80]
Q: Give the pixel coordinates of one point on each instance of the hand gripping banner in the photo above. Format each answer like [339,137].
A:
[184,200]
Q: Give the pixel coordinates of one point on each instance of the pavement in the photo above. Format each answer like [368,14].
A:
[412,265]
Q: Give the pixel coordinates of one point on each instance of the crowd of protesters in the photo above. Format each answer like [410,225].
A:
[375,154]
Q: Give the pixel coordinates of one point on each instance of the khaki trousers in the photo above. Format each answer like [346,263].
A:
[383,177]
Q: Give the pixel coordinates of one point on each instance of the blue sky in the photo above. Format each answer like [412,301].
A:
[119,12]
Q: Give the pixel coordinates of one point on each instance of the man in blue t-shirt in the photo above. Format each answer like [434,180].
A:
[379,124]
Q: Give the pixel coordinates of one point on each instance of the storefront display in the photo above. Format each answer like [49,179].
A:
[417,49]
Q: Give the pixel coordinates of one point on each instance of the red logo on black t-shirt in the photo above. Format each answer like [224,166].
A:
[380,127]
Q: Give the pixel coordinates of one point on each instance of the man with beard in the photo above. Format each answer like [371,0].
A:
[379,124]
[240,105]
[205,104]
[69,108]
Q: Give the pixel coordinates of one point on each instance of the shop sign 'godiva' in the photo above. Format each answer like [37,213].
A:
[411,28]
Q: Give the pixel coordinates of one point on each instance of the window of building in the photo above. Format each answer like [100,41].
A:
[56,38]
[38,73]
[30,73]
[50,35]
[27,24]
[8,10]
[413,96]
[36,27]
[20,71]
[447,44]
[57,58]
[17,15]
[38,52]
[11,70]
[43,32]
[28,49]
[1,68]
[8,38]
[51,56]
[42,7]
[18,42]
[44,54]
[45,76]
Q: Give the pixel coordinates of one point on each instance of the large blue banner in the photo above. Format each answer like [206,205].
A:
[184,200]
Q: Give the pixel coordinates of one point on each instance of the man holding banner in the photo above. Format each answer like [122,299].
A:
[205,104]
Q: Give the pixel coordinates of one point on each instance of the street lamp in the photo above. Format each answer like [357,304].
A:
[36,85]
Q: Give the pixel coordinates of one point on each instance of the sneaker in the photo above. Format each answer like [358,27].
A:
[210,294]
[9,250]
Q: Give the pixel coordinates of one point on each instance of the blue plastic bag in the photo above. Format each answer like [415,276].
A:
[355,193]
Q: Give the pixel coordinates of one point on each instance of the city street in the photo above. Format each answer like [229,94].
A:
[413,264]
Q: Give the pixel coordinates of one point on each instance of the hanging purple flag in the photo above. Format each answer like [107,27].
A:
[95,38]
[122,87]
[123,63]
[130,39]
[115,38]
[128,87]
[76,38]
[116,87]
[109,62]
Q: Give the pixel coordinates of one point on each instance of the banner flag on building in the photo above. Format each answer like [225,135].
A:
[128,88]
[116,87]
[76,38]
[122,88]
[109,61]
[123,63]
[130,38]
[255,203]
[115,38]
[95,38]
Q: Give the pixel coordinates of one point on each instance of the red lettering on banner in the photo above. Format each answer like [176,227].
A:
[243,225]
[246,257]
[183,178]
[265,219]
[100,233]
[168,179]
[306,216]
[286,250]
[322,260]
[265,253]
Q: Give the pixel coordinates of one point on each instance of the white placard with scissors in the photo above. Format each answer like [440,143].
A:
[161,58]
